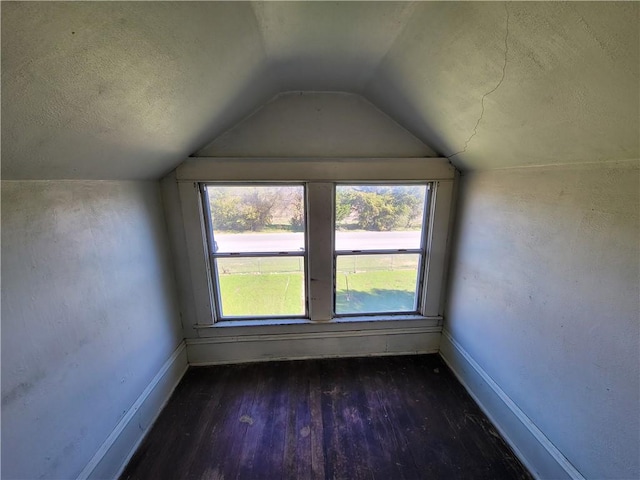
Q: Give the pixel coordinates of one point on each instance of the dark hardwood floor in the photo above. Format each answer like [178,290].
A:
[381,418]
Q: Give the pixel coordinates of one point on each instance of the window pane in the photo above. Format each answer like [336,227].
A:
[379,217]
[257,218]
[261,286]
[376,283]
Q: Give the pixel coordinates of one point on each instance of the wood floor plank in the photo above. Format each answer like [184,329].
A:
[303,428]
[395,439]
[241,423]
[207,402]
[380,418]
[273,451]
[354,410]
[379,433]
[290,444]
[255,417]
[317,429]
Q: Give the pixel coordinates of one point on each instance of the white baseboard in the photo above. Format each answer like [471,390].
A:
[225,349]
[532,447]
[116,451]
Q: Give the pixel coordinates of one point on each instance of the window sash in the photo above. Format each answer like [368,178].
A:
[425,228]
[418,293]
[217,295]
[213,255]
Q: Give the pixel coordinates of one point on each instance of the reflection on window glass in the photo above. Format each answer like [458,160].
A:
[261,286]
[376,283]
[257,218]
[379,217]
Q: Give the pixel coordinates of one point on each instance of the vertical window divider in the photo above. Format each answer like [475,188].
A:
[191,206]
[320,256]
[437,242]
[213,271]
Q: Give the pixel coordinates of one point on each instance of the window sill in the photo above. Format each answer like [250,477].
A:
[281,326]
[304,321]
[257,322]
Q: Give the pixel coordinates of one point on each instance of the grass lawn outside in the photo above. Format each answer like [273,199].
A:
[274,286]
[257,265]
[376,291]
[266,294]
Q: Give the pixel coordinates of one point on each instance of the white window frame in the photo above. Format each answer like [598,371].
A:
[421,250]
[213,255]
[320,177]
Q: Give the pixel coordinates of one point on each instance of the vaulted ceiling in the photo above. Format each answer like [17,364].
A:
[128,90]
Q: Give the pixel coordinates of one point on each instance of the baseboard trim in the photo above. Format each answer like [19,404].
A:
[298,346]
[533,448]
[116,451]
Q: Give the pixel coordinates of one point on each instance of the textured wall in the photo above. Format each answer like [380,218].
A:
[317,124]
[89,316]
[544,296]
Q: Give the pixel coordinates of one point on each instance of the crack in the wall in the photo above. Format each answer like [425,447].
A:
[504,70]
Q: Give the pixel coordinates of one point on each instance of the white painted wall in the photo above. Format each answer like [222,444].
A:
[544,298]
[89,317]
[317,124]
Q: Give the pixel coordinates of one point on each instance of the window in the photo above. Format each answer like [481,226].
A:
[281,241]
[256,238]
[379,248]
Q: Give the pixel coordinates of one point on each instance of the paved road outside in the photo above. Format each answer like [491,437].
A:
[282,242]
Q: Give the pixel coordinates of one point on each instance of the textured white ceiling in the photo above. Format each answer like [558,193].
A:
[328,45]
[511,84]
[128,90]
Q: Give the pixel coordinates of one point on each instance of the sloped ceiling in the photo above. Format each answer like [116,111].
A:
[120,90]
